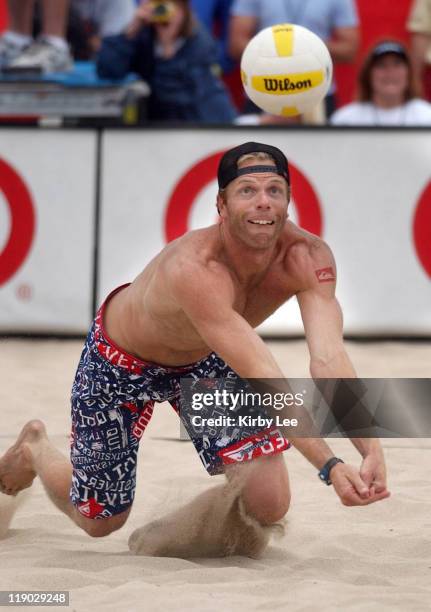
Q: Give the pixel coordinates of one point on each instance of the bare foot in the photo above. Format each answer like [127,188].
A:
[16,465]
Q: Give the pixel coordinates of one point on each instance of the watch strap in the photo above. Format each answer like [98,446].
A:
[324,473]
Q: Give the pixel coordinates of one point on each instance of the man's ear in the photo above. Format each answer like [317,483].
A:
[221,204]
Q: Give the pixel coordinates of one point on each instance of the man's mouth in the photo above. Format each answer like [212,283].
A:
[261,222]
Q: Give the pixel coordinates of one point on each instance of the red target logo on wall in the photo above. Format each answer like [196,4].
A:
[22,222]
[201,174]
[422,229]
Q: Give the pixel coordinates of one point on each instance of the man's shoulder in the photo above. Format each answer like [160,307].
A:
[195,254]
[308,258]
[299,241]
[193,272]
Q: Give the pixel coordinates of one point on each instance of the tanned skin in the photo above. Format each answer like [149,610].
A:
[208,291]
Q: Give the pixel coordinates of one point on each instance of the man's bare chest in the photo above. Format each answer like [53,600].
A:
[258,303]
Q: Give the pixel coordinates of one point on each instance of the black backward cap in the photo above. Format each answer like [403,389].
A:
[228,167]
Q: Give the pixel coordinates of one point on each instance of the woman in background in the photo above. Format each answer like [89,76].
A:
[387,93]
[168,48]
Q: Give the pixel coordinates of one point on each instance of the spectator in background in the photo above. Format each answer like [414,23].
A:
[214,15]
[50,52]
[94,20]
[335,21]
[178,59]
[387,94]
[419,24]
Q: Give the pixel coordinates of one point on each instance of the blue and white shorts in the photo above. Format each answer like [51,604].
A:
[113,397]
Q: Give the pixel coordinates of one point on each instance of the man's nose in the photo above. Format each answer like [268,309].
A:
[263,200]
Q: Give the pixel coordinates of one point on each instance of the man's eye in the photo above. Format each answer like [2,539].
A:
[246,190]
[275,190]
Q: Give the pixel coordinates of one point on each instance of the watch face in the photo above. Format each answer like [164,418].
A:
[323,475]
[324,472]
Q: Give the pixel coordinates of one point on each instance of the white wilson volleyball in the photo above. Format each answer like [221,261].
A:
[286,69]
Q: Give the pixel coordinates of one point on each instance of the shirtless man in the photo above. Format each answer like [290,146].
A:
[194,309]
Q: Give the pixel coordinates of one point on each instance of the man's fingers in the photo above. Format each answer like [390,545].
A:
[376,497]
[360,486]
[379,486]
[351,498]
[367,476]
[353,487]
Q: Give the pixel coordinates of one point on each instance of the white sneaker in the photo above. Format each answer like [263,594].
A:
[8,51]
[41,57]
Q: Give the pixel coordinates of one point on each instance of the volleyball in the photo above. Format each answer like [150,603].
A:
[286,69]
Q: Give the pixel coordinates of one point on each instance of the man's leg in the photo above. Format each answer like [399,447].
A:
[231,519]
[264,485]
[34,455]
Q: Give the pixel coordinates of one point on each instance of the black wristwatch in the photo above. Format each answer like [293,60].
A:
[325,471]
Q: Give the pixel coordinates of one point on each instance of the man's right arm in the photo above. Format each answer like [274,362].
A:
[206,295]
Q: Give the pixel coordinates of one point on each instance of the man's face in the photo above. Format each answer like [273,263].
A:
[255,207]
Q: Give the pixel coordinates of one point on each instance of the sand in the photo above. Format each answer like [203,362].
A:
[331,558]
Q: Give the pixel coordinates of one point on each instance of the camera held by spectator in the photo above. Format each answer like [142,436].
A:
[167,47]
[162,11]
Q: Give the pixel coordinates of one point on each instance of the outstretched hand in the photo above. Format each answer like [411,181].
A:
[360,487]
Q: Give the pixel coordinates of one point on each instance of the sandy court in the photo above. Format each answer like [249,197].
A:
[332,557]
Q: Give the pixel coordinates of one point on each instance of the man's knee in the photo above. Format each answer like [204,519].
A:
[99,528]
[267,504]
[266,492]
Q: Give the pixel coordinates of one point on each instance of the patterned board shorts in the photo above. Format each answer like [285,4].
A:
[113,398]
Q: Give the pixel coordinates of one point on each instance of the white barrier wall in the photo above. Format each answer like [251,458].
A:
[365,189]
[47,187]
[368,193]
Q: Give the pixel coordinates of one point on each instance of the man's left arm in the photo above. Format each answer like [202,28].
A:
[323,326]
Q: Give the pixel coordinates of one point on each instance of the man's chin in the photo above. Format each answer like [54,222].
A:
[261,240]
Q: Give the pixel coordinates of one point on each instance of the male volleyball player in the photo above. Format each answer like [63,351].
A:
[192,313]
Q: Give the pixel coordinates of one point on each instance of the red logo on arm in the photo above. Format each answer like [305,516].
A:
[325,275]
